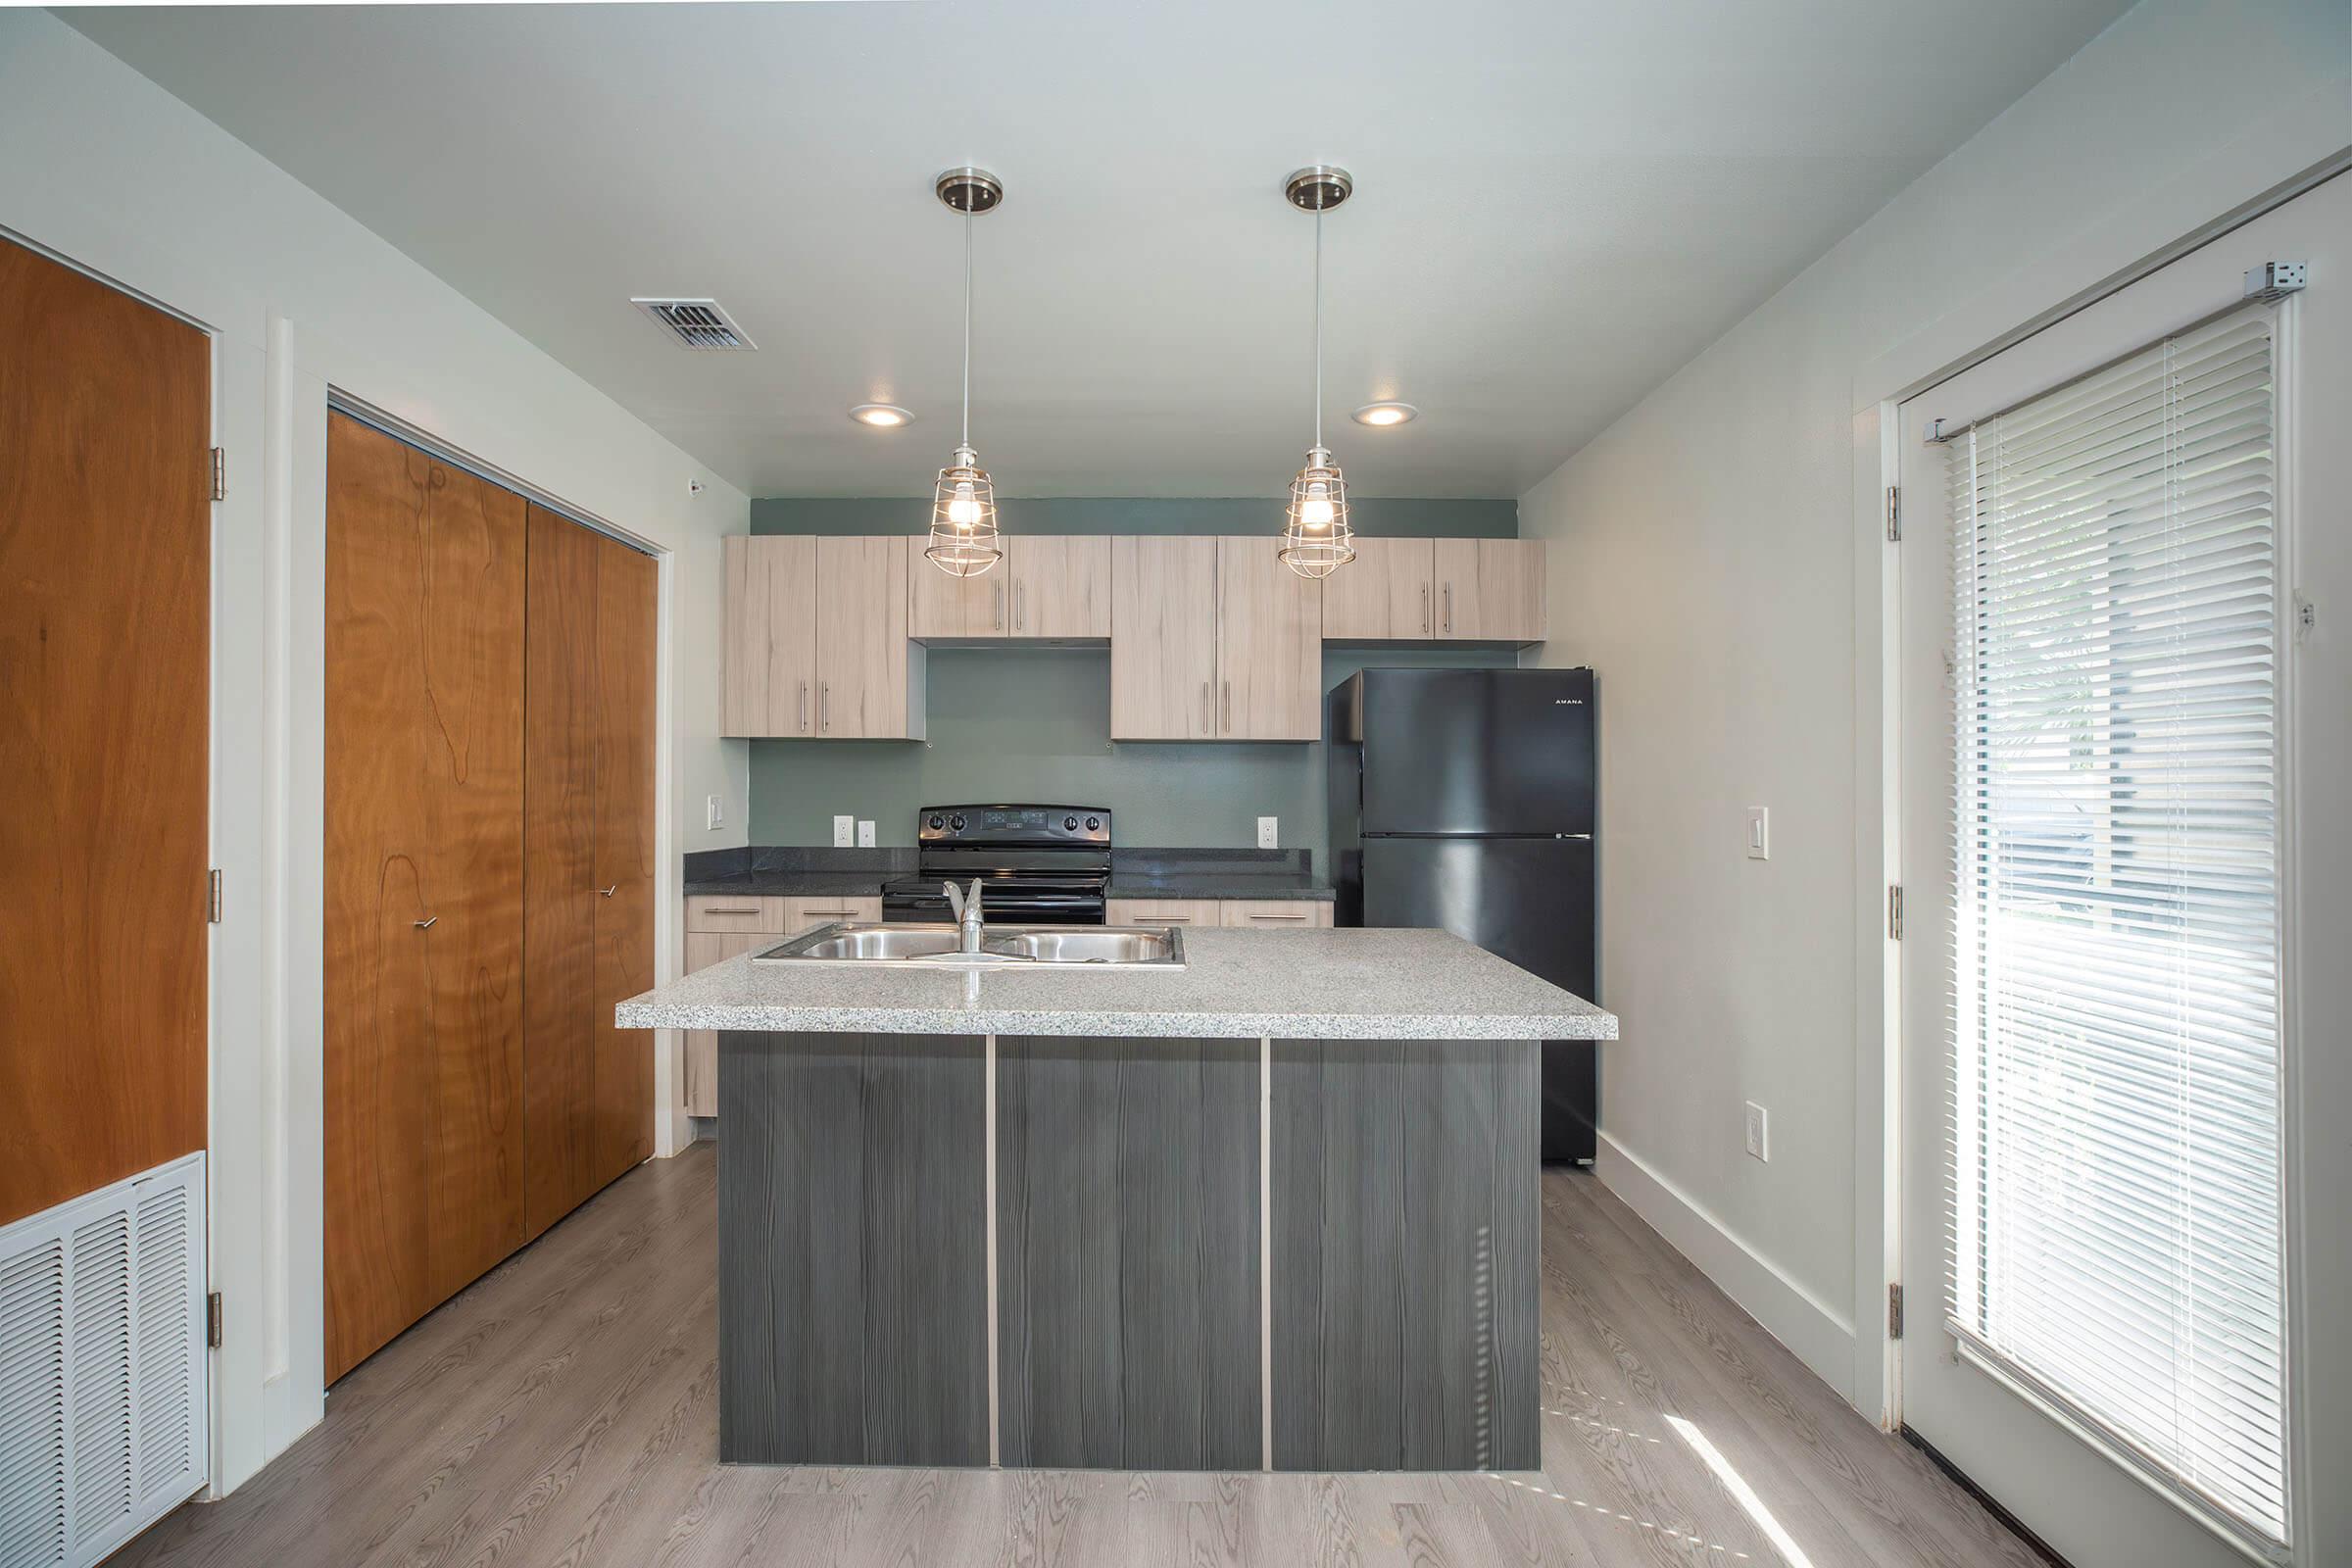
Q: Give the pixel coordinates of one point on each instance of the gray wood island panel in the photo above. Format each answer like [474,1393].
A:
[1406,1221]
[1127,1254]
[852,1270]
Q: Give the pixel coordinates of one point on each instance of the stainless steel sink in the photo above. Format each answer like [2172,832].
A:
[1002,948]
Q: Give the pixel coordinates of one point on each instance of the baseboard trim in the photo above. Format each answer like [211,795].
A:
[1820,1336]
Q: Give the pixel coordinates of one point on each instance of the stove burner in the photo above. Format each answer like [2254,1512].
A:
[1037,864]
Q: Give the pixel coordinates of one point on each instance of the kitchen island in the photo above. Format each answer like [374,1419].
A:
[1276,1209]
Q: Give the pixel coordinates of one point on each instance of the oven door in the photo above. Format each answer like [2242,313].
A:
[1003,900]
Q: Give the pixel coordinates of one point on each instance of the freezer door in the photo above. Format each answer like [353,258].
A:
[1478,751]
[1530,900]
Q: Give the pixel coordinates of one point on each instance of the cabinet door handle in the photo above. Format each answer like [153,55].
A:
[996,608]
[1449,609]
[730,911]
[824,705]
[1425,610]
[1256,916]
[800,710]
[606,893]
[1228,724]
[1208,714]
[427,924]
[1017,620]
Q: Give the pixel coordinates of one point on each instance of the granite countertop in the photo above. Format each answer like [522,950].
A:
[1247,984]
[779,883]
[1218,885]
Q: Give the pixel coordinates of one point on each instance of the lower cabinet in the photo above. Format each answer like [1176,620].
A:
[1270,912]
[719,927]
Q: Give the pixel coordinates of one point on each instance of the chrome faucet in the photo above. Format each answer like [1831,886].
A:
[965,906]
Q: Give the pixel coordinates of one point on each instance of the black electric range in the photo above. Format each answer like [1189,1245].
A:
[1037,864]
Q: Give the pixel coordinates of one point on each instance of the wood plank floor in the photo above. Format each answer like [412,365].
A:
[562,1412]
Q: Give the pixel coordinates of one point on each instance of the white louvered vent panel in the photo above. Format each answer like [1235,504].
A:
[32,1405]
[101,1372]
[103,1398]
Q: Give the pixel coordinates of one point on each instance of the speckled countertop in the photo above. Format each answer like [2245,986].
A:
[1218,885]
[1301,985]
[788,884]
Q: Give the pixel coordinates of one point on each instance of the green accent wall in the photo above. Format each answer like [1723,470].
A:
[1374,515]
[1020,724]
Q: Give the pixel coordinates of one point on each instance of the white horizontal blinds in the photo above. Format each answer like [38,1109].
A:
[2116,1116]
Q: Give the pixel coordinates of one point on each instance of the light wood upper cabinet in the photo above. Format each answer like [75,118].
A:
[1061,585]
[1163,652]
[863,660]
[1489,590]
[1269,646]
[816,639]
[768,686]
[1387,593]
[946,607]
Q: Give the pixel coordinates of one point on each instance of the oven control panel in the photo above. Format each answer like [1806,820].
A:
[1013,824]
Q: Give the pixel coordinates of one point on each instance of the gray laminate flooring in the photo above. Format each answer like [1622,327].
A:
[562,1412]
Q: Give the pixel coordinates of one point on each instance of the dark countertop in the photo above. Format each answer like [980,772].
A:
[784,884]
[806,871]
[1219,885]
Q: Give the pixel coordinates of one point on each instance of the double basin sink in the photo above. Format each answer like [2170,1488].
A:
[1002,947]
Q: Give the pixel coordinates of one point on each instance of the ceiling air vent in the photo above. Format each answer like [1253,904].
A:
[703,326]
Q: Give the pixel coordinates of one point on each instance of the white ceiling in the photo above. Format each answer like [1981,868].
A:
[1559,202]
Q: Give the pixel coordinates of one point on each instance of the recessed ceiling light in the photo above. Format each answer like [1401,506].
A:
[881,416]
[1385,414]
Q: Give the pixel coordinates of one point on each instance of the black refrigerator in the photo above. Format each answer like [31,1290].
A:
[1463,799]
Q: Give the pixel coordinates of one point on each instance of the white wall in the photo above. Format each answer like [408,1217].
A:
[1713,556]
[102,167]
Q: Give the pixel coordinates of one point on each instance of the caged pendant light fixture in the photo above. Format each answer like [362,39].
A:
[963,504]
[1316,540]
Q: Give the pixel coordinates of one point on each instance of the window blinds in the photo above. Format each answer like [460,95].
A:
[2116,1155]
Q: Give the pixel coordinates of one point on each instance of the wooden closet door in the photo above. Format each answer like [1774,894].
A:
[105,665]
[627,628]
[423,884]
[562,714]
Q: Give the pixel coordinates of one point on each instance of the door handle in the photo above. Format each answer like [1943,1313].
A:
[1277,916]
[427,924]
[1208,714]
[996,608]
[1227,726]
[1449,609]
[1425,610]
[1019,619]
[609,892]
[730,911]
[800,710]
[824,705]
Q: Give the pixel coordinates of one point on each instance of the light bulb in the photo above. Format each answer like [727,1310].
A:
[964,509]
[1316,510]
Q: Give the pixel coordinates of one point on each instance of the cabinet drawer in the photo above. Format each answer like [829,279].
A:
[710,912]
[1276,911]
[1162,912]
[802,914]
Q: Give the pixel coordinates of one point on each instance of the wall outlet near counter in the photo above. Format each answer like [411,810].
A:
[865,834]
[1759,1141]
[845,832]
[1267,836]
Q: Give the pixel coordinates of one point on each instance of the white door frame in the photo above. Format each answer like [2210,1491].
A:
[1934,356]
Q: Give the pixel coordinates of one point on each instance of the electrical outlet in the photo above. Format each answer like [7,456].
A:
[845,831]
[714,811]
[866,835]
[1759,833]
[1759,1140]
[1267,837]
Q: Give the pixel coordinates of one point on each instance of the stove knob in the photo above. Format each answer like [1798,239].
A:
[1069,824]
[937,824]
[956,822]
[1093,822]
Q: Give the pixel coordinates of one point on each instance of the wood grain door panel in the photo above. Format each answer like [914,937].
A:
[1269,646]
[1387,593]
[943,605]
[105,665]
[768,668]
[1164,658]
[1061,585]
[423,884]
[562,714]
[627,611]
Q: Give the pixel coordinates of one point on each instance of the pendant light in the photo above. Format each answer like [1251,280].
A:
[963,504]
[1316,540]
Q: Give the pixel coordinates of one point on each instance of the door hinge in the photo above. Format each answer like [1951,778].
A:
[212,1320]
[219,474]
[1894,514]
[1894,1311]
[1894,911]
[212,897]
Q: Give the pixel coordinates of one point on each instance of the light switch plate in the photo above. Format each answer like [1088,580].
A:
[865,834]
[1759,833]
[845,831]
[714,811]
[1759,1140]
[1268,836]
